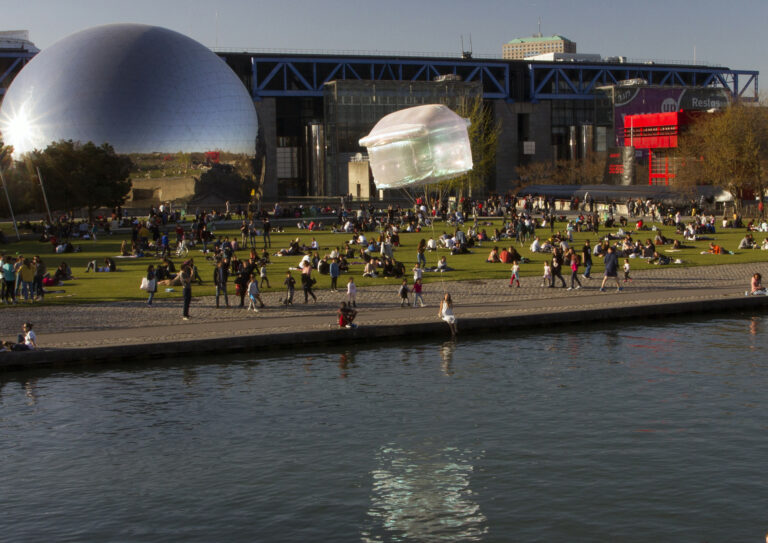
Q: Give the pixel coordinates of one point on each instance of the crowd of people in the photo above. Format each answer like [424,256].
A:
[373,237]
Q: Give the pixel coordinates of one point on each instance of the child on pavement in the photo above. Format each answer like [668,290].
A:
[547,277]
[253,294]
[515,278]
[290,284]
[404,294]
[627,278]
[417,293]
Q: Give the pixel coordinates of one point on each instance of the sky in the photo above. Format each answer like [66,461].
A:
[731,34]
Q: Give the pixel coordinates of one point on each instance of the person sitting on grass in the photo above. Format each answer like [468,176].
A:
[747,242]
[715,249]
[109,266]
[493,257]
[442,265]
[370,269]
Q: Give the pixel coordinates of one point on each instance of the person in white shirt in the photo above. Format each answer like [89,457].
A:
[27,340]
[536,245]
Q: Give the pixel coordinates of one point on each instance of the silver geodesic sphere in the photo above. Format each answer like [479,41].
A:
[140,88]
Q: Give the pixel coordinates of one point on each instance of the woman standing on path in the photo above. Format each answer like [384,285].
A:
[185,276]
[446,313]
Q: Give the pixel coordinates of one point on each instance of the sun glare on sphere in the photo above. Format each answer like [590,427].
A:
[18,130]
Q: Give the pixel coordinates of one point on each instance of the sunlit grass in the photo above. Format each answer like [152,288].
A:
[124,285]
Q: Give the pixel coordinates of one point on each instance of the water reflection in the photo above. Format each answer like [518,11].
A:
[446,353]
[423,495]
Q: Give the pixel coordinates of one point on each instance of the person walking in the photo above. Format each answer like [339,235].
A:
[546,279]
[220,277]
[151,283]
[185,276]
[627,278]
[421,259]
[307,282]
[403,291]
[446,313]
[587,260]
[253,294]
[557,268]
[290,285]
[351,292]
[417,293]
[611,268]
[263,275]
[515,277]
[574,271]
[417,272]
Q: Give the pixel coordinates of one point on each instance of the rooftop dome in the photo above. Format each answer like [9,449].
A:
[140,88]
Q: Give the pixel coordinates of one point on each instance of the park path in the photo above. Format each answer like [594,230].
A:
[132,322]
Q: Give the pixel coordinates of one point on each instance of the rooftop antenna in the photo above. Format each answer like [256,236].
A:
[464,53]
[538,35]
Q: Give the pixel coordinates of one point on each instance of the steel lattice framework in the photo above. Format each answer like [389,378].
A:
[507,80]
[10,64]
[305,76]
[553,81]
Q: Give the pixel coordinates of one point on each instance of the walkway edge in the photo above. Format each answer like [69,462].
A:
[290,340]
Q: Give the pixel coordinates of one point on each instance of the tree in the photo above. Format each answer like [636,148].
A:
[82,175]
[534,173]
[483,138]
[227,181]
[728,148]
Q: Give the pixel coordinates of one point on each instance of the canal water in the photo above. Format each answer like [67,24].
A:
[646,432]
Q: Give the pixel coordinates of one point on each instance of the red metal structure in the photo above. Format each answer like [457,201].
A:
[657,132]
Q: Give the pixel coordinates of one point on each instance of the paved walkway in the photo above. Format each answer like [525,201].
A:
[133,323]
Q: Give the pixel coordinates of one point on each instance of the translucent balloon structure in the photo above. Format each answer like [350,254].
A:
[417,146]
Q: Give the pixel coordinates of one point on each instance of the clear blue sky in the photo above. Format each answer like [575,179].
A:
[731,33]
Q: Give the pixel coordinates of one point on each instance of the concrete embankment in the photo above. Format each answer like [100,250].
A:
[85,334]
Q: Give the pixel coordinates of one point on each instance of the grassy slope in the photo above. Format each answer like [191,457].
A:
[92,287]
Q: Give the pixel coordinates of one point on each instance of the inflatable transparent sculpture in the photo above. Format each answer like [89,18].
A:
[141,88]
[417,146]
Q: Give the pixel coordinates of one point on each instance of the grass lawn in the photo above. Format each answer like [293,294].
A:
[124,285]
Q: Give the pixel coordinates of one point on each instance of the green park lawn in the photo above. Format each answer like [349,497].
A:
[124,285]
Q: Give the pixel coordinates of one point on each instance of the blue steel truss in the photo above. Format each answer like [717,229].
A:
[10,64]
[506,80]
[557,81]
[305,76]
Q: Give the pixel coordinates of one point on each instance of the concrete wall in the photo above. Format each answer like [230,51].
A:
[162,189]
[510,150]
[267,113]
[359,179]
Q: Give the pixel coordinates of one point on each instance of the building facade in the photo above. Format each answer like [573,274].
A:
[521,48]
[314,108]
